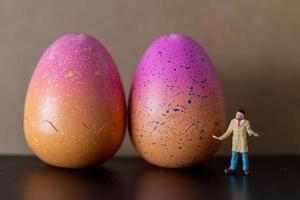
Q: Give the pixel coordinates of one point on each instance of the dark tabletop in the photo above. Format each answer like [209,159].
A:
[132,178]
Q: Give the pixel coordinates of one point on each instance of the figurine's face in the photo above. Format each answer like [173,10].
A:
[239,115]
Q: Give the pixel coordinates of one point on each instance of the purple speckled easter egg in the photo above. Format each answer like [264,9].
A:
[75,105]
[176,103]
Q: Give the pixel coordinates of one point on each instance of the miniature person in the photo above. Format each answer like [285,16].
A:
[240,128]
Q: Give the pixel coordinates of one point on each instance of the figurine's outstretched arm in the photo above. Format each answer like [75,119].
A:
[251,132]
[226,134]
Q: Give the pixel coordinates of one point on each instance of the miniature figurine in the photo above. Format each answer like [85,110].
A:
[239,127]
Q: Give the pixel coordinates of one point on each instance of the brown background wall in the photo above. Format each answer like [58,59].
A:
[254,44]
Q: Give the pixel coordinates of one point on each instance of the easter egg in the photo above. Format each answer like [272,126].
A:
[75,106]
[176,104]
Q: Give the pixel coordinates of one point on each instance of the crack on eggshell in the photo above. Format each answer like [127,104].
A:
[51,124]
[114,127]
[85,125]
[91,130]
[153,130]
[172,131]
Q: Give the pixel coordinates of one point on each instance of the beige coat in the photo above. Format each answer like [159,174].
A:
[240,134]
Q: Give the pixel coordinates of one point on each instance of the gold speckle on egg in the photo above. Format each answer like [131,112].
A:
[89,49]
[71,74]
[97,73]
[45,75]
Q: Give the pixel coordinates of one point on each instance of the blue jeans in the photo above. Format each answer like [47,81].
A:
[234,160]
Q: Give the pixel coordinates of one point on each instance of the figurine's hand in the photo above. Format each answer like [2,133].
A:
[217,137]
[255,134]
[251,132]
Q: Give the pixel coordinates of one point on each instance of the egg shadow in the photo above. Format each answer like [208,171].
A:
[58,183]
[159,183]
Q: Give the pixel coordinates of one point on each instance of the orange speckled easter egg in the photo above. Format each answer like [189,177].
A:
[75,106]
[176,104]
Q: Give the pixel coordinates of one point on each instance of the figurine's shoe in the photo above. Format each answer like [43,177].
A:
[246,172]
[229,171]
